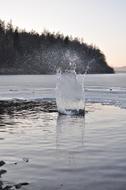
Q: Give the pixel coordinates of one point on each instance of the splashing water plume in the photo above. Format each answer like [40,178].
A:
[69,91]
[70,86]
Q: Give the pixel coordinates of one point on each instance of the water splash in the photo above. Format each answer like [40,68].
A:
[70,86]
[89,66]
[69,91]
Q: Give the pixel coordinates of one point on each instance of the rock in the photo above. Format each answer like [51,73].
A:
[19,185]
[26,159]
[2,172]
[2,163]
[8,187]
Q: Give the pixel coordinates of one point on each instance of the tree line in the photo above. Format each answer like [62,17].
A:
[23,52]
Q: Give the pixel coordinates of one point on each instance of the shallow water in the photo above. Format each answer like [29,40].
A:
[65,152]
[52,152]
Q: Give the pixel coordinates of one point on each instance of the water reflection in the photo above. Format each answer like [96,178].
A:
[69,139]
[70,131]
[70,143]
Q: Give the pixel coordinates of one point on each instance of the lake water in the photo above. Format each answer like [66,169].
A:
[110,88]
[52,152]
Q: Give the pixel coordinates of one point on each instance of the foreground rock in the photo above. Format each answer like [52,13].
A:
[9,187]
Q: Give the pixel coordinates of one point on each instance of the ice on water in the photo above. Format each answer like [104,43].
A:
[105,89]
[69,93]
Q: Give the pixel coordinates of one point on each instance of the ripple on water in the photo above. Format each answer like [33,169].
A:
[64,152]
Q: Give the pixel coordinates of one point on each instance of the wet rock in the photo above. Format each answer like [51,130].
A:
[26,159]
[1,183]
[8,187]
[19,185]
[2,163]
[12,187]
[2,172]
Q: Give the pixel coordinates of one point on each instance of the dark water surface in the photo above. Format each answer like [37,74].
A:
[52,152]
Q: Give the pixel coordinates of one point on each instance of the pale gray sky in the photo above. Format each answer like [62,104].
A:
[98,22]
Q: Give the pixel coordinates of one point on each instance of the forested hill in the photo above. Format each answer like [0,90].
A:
[24,52]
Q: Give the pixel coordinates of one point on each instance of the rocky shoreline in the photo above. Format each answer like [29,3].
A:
[3,186]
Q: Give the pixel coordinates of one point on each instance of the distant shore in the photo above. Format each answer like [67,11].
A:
[24,52]
[120,69]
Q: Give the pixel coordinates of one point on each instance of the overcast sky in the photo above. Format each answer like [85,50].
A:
[98,22]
